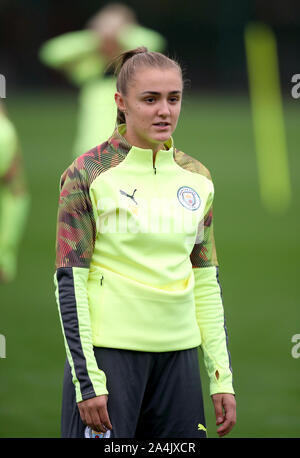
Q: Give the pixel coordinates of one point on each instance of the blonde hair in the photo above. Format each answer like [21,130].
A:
[127,64]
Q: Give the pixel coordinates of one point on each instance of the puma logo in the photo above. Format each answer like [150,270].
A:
[201,427]
[130,196]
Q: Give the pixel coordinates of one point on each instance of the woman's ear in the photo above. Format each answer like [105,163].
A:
[119,99]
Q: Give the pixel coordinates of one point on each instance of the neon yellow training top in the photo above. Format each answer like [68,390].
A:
[136,265]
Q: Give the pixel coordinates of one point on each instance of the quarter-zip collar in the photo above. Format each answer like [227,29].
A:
[139,156]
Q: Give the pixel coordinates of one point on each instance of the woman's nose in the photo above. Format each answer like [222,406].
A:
[164,109]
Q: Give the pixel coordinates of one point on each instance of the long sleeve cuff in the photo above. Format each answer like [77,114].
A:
[211,322]
[72,300]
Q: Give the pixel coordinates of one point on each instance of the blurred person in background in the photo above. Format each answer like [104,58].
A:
[83,56]
[137,273]
[14,198]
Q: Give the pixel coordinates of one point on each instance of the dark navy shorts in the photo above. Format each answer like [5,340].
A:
[151,395]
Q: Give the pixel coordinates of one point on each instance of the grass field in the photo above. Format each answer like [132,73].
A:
[258,255]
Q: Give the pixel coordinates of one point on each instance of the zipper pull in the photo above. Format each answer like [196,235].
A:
[101,280]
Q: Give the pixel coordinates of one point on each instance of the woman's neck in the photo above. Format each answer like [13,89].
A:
[143,144]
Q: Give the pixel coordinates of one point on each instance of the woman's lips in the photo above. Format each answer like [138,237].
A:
[162,126]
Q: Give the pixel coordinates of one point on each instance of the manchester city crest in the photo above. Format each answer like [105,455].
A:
[89,433]
[189,198]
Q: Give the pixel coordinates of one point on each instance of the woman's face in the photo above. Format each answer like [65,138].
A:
[152,106]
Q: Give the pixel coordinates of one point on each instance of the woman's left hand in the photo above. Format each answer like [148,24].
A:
[225,410]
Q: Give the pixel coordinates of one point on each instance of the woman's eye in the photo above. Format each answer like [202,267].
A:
[174,99]
[150,99]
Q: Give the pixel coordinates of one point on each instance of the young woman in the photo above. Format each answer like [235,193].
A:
[137,273]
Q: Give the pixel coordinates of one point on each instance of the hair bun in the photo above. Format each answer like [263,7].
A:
[133,52]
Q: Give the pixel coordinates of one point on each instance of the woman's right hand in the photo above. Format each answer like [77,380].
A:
[93,413]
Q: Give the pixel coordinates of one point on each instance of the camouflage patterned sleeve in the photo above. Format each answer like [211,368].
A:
[76,232]
[209,306]
[204,251]
[76,227]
